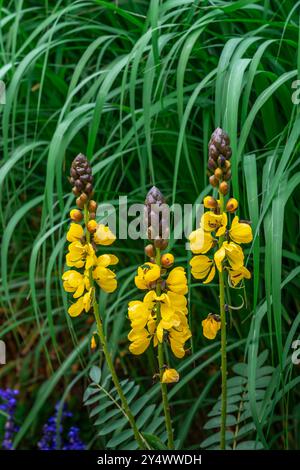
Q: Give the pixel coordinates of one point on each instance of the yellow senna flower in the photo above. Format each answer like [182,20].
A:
[169,317]
[147,273]
[200,241]
[75,233]
[176,281]
[170,376]
[177,340]
[212,222]
[233,253]
[203,267]
[80,255]
[240,232]
[75,282]
[103,235]
[83,303]
[139,314]
[140,340]
[237,275]
[178,302]
[105,278]
[211,325]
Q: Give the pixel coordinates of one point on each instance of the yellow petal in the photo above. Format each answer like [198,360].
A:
[210,327]
[240,232]
[219,257]
[170,376]
[176,281]
[75,232]
[210,276]
[200,241]
[104,236]
[76,308]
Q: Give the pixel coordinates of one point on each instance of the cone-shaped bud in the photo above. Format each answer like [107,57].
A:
[81,178]
[156,218]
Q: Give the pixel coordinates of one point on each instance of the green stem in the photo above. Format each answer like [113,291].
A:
[107,355]
[115,379]
[161,364]
[223,344]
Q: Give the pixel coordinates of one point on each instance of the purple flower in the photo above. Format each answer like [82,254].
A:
[8,397]
[52,433]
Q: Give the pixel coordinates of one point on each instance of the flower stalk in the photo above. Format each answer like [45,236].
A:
[91,270]
[215,236]
[161,365]
[223,343]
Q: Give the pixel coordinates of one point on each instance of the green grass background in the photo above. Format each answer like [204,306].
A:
[138,86]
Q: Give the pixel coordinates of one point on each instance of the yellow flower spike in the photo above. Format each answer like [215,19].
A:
[75,233]
[147,273]
[76,215]
[104,236]
[170,376]
[211,325]
[93,343]
[200,241]
[236,276]
[211,222]
[203,267]
[74,282]
[240,232]
[176,281]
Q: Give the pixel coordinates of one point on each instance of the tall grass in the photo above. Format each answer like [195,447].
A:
[139,86]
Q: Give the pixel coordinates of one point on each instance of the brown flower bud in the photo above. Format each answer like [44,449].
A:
[149,250]
[210,202]
[213,181]
[227,175]
[92,206]
[79,203]
[223,188]
[92,226]
[211,164]
[76,215]
[167,260]
[92,215]
[218,173]
[161,244]
[83,197]
[232,205]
